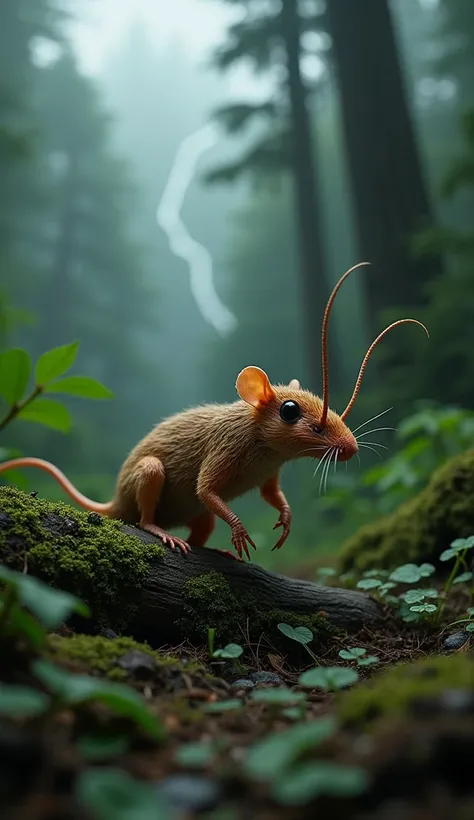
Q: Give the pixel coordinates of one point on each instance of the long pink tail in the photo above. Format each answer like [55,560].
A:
[82,500]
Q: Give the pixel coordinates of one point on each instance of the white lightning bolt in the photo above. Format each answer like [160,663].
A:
[198,258]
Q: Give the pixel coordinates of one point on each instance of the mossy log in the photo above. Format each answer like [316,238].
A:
[138,588]
[421,528]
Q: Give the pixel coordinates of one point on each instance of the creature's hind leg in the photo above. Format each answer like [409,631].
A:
[201,529]
[149,481]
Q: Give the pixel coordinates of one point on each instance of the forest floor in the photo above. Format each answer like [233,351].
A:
[244,738]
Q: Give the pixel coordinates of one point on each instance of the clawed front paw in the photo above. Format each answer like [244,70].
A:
[285,522]
[168,540]
[239,539]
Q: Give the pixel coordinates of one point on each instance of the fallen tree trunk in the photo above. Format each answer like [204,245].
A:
[137,587]
[167,588]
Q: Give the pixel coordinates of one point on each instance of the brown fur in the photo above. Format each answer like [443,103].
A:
[220,449]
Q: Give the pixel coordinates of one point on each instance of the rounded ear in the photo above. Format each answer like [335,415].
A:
[294,384]
[253,386]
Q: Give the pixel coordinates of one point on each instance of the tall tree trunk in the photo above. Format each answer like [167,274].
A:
[390,196]
[316,288]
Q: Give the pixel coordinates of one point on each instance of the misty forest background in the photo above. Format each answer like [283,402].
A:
[363,150]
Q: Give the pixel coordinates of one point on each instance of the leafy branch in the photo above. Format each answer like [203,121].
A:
[15,373]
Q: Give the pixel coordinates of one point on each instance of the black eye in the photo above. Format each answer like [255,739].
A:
[290,412]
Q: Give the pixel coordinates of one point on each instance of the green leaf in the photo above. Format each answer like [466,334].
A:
[15,369]
[352,654]
[111,794]
[369,583]
[316,778]
[368,660]
[76,689]
[446,555]
[300,634]
[24,625]
[278,696]
[328,678]
[51,606]
[463,578]
[96,747]
[406,574]
[232,650]
[81,386]
[52,364]
[426,570]
[269,757]
[414,596]
[48,412]
[21,701]
[223,706]
[470,627]
[196,755]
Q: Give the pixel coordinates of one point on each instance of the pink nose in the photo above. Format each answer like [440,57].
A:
[347,448]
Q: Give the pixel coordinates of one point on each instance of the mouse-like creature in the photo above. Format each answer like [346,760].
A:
[190,465]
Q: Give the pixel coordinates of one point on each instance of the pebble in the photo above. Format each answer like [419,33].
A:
[95,518]
[137,663]
[265,677]
[189,793]
[456,640]
[243,683]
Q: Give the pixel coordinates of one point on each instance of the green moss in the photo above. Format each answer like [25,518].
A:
[392,692]
[85,554]
[209,602]
[422,527]
[100,655]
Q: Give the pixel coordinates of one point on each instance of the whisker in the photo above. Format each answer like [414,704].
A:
[373,450]
[358,459]
[321,460]
[374,444]
[323,471]
[375,430]
[372,419]
[327,471]
[324,459]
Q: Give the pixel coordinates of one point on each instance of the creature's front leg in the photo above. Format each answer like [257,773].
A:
[273,495]
[207,491]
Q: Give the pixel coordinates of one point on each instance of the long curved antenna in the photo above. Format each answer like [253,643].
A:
[324,343]
[368,355]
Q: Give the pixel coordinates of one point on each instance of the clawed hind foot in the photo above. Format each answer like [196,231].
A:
[171,541]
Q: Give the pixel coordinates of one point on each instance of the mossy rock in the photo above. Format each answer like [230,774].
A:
[210,602]
[393,692]
[421,528]
[77,551]
[100,655]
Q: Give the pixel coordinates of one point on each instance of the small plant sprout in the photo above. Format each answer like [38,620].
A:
[469,621]
[411,573]
[300,634]
[230,652]
[359,655]
[458,550]
[329,678]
